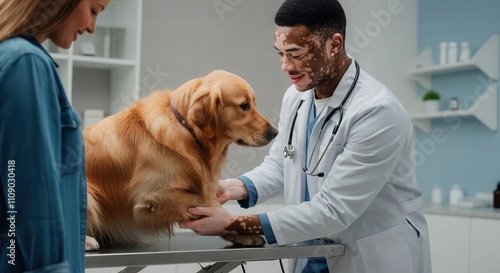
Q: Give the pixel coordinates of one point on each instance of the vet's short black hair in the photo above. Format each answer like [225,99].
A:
[322,17]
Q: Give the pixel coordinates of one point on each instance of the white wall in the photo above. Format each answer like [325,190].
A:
[382,36]
[189,38]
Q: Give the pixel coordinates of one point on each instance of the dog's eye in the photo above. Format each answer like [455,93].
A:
[245,106]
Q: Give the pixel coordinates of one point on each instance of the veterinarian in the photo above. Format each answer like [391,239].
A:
[342,158]
[43,196]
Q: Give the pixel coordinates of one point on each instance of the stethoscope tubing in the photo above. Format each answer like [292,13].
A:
[288,151]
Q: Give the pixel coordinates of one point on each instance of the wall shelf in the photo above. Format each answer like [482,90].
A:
[101,63]
[482,60]
[485,109]
[117,44]
[60,57]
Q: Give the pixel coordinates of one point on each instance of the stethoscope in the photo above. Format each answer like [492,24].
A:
[288,151]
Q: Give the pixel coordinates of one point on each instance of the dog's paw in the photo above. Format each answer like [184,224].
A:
[91,244]
[245,240]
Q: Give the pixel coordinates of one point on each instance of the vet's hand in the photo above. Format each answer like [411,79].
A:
[231,189]
[213,222]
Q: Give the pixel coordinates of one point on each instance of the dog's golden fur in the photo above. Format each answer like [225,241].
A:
[145,168]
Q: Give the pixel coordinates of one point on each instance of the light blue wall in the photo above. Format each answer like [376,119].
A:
[466,153]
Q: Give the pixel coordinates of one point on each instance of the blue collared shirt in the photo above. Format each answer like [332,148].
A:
[43,200]
[312,264]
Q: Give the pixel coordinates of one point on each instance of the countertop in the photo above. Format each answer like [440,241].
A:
[482,212]
[488,213]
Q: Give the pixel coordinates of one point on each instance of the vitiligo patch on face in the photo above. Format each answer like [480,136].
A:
[308,57]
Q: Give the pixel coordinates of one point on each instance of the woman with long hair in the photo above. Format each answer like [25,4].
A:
[43,204]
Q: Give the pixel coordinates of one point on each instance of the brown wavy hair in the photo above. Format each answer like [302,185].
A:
[33,17]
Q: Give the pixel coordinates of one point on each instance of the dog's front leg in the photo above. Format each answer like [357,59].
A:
[91,243]
[244,239]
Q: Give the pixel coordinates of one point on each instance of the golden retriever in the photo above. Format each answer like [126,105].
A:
[148,163]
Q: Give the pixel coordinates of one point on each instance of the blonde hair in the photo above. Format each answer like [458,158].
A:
[33,17]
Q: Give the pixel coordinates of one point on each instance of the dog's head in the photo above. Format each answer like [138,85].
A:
[222,105]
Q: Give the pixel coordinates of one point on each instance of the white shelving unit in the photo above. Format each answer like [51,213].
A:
[485,59]
[109,80]
[485,108]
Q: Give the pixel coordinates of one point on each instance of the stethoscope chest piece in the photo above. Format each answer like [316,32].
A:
[288,151]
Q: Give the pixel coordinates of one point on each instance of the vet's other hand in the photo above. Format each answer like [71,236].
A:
[213,222]
[231,189]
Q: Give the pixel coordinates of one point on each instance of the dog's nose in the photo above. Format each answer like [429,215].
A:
[271,133]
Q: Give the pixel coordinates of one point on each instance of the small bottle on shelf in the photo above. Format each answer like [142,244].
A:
[453,104]
[437,195]
[456,193]
[443,46]
[452,52]
[496,197]
[107,43]
[464,52]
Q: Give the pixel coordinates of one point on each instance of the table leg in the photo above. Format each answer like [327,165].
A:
[221,267]
[132,269]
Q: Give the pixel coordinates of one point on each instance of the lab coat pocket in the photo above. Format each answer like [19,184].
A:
[72,154]
[385,252]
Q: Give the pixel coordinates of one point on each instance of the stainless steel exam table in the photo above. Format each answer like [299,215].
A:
[190,248]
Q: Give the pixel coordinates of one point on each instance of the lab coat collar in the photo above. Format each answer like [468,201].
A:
[337,97]
[344,85]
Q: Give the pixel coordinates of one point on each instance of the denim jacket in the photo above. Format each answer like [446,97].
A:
[43,196]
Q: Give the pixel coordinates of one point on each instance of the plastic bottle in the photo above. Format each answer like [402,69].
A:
[496,197]
[455,194]
[443,49]
[464,52]
[453,104]
[107,43]
[437,195]
[452,52]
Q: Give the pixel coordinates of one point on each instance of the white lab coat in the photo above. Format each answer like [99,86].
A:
[368,199]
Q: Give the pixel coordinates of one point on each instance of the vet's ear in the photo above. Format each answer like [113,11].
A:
[205,113]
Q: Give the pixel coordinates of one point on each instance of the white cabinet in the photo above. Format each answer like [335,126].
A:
[464,244]
[109,80]
[485,105]
[485,246]
[449,238]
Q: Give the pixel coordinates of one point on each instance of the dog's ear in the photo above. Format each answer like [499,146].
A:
[205,111]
